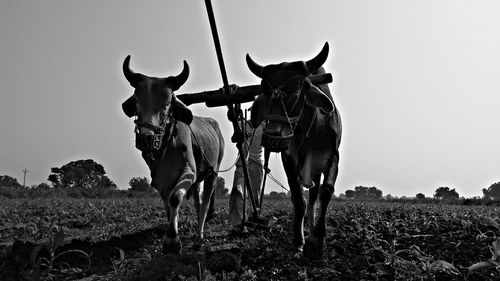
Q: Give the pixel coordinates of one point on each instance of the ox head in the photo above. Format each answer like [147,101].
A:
[286,93]
[154,104]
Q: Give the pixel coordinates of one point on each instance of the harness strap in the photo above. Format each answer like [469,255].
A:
[210,165]
[315,115]
[157,129]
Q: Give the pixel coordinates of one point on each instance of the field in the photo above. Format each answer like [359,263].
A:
[121,239]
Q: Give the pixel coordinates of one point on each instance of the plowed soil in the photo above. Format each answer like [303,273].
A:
[123,238]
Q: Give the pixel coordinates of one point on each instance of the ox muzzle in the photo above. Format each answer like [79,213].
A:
[276,143]
[148,143]
[151,144]
[280,142]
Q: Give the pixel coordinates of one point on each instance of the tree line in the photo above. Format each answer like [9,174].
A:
[491,195]
[83,179]
[87,178]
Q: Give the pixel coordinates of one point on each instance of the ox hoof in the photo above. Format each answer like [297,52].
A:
[313,249]
[172,246]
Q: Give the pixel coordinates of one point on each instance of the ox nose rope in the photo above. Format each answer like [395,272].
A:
[152,145]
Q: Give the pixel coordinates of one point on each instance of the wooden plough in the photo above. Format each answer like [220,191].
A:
[232,98]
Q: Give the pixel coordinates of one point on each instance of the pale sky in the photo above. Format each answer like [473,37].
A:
[417,82]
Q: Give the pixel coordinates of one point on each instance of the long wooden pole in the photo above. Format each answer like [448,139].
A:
[237,137]
[267,153]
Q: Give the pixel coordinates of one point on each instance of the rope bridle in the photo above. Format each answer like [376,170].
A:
[280,143]
[153,145]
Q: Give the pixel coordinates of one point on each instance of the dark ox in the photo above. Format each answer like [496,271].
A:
[179,149]
[301,122]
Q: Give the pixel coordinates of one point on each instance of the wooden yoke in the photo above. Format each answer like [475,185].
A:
[243,94]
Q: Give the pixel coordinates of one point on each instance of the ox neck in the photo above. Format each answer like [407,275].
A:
[307,122]
[154,157]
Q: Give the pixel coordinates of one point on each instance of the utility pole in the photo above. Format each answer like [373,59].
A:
[25,171]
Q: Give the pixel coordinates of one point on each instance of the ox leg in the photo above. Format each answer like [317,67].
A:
[315,243]
[298,201]
[196,198]
[211,214]
[208,191]
[164,197]
[172,242]
[311,204]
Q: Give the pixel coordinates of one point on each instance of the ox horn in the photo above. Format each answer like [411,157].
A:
[254,67]
[131,76]
[179,80]
[318,60]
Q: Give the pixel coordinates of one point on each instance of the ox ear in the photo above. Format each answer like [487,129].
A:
[316,98]
[129,107]
[258,110]
[181,112]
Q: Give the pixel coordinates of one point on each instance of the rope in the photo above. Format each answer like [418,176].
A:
[238,156]
[277,182]
[230,167]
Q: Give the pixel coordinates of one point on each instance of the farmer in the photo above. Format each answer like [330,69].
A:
[253,152]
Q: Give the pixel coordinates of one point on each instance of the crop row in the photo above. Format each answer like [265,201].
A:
[365,240]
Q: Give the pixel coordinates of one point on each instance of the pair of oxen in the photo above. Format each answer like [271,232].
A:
[182,150]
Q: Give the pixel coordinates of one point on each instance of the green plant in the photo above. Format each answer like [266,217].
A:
[493,263]
[44,267]
[431,266]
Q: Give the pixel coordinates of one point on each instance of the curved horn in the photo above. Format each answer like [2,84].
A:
[254,67]
[318,60]
[129,74]
[179,80]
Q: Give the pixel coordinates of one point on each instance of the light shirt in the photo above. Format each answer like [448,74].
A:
[253,139]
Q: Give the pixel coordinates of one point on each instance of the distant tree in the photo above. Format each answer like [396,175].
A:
[445,192]
[389,197]
[374,193]
[363,192]
[84,174]
[277,195]
[420,196]
[493,191]
[342,196]
[350,193]
[220,188]
[140,184]
[10,188]
[42,190]
[8,181]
